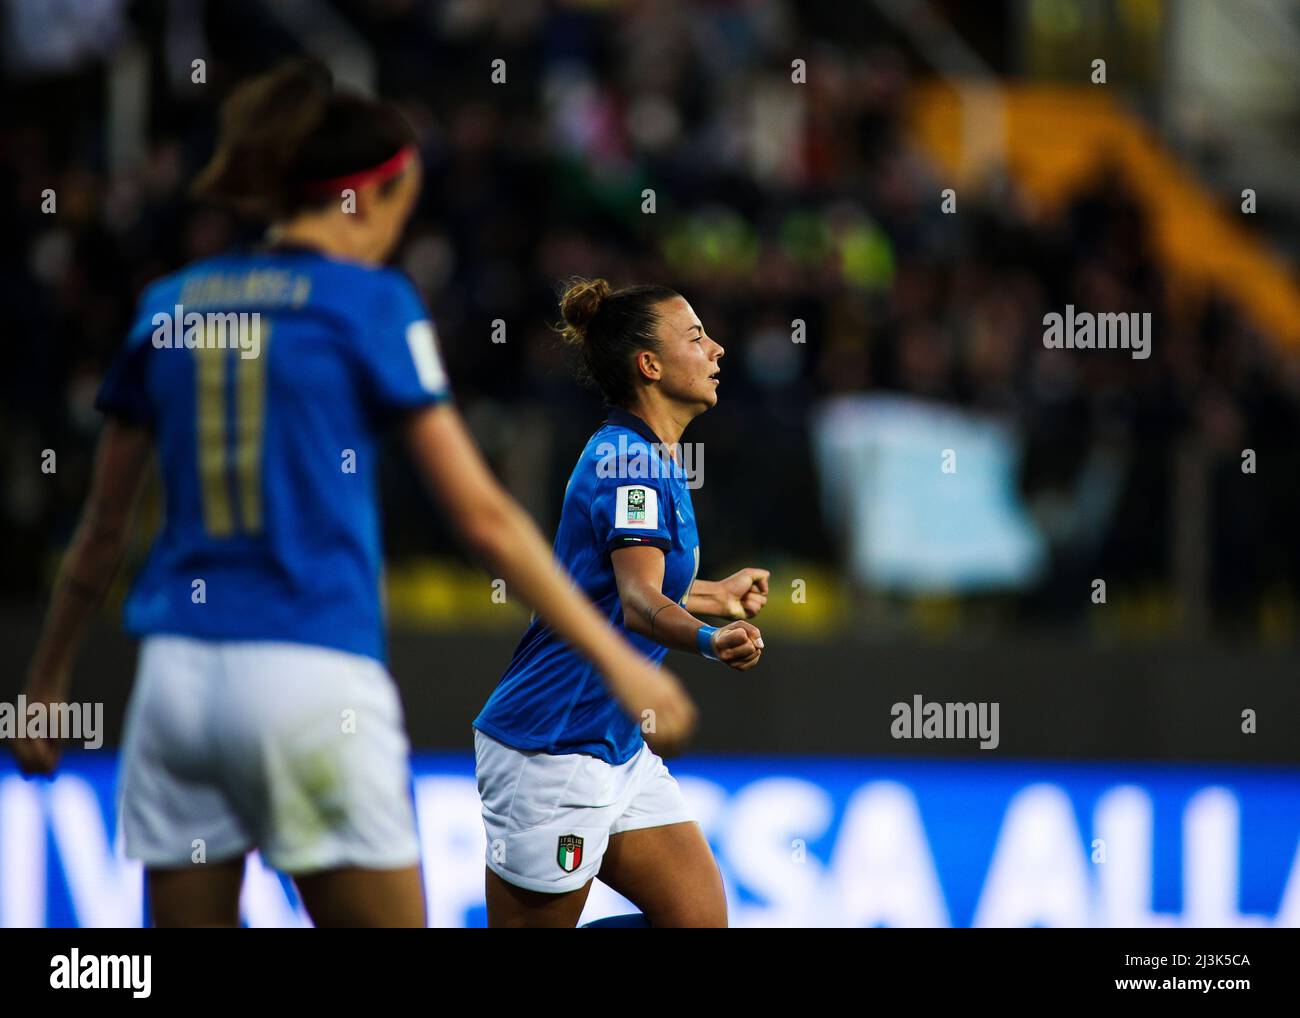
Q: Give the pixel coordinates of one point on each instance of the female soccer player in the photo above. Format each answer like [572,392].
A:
[263,716]
[570,791]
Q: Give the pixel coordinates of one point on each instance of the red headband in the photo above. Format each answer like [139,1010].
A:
[386,170]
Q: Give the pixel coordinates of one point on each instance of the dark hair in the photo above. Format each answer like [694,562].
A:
[288,127]
[609,327]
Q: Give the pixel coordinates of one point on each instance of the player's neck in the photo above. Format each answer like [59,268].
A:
[318,233]
[665,420]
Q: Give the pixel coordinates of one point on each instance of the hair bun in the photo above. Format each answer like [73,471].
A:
[608,328]
[579,305]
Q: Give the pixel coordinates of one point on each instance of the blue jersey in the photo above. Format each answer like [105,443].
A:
[621,493]
[267,379]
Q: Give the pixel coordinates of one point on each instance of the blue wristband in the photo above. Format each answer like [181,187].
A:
[704,641]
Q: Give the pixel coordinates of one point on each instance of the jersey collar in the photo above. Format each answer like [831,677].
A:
[290,247]
[626,419]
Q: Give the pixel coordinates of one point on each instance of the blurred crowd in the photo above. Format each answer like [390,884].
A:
[773,202]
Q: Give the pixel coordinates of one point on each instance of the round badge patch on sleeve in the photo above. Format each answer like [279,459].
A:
[636,505]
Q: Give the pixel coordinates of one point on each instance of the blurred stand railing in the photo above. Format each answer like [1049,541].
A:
[982,151]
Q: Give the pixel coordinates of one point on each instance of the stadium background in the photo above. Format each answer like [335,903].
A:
[1123,789]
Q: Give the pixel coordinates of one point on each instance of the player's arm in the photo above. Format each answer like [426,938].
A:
[92,559]
[504,536]
[647,610]
[740,596]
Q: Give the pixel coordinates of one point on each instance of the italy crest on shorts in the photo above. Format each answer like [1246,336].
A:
[569,852]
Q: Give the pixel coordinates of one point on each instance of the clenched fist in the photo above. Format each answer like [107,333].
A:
[738,645]
[745,593]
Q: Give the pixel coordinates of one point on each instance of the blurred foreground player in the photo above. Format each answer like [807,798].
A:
[570,789]
[263,716]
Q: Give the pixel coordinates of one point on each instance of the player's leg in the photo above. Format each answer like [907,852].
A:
[669,873]
[352,897]
[176,817]
[189,896]
[511,907]
[547,818]
[658,857]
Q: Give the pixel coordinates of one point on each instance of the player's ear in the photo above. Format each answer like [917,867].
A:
[648,366]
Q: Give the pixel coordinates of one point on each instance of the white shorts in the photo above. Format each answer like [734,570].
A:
[295,750]
[549,818]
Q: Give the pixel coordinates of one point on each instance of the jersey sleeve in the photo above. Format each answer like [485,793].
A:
[399,350]
[627,510]
[124,392]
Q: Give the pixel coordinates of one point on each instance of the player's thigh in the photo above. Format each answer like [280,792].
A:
[514,907]
[206,895]
[356,897]
[669,873]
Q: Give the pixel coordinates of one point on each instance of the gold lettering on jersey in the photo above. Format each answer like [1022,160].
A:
[250,425]
[267,287]
[210,432]
[219,450]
